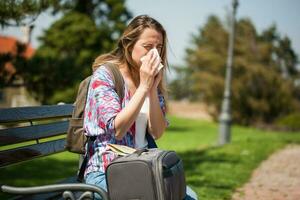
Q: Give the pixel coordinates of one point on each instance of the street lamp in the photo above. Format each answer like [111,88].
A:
[225,116]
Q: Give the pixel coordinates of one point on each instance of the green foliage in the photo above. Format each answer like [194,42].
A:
[179,88]
[290,122]
[264,71]
[13,13]
[64,58]
[261,95]
[13,58]
[69,47]
[4,76]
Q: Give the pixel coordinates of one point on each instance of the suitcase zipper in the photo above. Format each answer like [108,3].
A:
[159,179]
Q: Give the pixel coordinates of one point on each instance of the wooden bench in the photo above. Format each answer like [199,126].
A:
[46,123]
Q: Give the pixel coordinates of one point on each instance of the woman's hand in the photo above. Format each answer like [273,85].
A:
[156,82]
[148,70]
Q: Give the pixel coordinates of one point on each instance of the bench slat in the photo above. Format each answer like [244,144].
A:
[8,157]
[23,134]
[20,114]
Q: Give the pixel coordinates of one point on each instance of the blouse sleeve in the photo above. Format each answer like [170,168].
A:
[103,104]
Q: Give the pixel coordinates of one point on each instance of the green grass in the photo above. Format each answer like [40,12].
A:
[213,172]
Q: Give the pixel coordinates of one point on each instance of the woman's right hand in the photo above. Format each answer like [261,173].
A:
[148,70]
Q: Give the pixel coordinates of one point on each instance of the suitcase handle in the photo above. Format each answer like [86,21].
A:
[140,151]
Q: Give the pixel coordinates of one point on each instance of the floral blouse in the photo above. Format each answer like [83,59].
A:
[102,106]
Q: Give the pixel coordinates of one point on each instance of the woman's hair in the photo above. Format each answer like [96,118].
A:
[122,54]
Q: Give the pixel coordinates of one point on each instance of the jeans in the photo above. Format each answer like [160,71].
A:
[98,179]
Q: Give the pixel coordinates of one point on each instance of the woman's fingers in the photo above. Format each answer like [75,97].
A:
[151,63]
[156,65]
[152,58]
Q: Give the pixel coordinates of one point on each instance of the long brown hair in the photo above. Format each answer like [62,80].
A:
[122,54]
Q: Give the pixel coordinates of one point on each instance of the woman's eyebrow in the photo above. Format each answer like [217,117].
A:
[151,43]
[147,43]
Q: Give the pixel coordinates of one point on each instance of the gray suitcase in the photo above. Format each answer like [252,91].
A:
[148,174]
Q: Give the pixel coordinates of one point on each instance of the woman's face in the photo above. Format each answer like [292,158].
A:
[148,40]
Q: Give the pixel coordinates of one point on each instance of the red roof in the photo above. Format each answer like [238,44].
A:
[9,45]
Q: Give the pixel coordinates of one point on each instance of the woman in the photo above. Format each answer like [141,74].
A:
[124,121]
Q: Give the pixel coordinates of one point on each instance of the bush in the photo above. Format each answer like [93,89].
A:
[290,122]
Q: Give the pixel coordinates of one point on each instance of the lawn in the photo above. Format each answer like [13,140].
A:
[213,172]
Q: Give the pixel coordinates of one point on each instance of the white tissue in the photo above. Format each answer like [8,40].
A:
[156,54]
[160,66]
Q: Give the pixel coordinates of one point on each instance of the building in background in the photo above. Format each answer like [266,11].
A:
[14,93]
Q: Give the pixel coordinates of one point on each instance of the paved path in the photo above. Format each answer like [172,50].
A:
[277,178]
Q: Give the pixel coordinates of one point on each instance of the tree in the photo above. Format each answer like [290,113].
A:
[15,13]
[180,88]
[260,91]
[7,74]
[70,45]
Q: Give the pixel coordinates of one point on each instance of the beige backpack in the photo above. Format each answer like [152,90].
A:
[76,139]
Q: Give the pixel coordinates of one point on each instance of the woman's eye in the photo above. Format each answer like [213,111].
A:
[148,47]
[159,49]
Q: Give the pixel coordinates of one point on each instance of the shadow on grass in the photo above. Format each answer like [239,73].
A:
[203,169]
[179,128]
[38,172]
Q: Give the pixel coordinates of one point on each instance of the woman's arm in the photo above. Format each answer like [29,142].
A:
[157,122]
[128,115]
[104,113]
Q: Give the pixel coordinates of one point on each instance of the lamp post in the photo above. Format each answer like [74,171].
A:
[225,116]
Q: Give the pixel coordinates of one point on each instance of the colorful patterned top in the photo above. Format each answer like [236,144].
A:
[102,106]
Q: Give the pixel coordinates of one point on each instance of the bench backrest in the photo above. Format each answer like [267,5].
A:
[31,132]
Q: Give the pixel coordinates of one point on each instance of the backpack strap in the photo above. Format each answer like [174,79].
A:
[80,175]
[117,78]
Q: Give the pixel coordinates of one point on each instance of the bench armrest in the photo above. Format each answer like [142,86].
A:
[66,190]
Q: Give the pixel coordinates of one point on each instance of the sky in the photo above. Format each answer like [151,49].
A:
[182,18]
